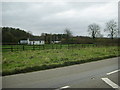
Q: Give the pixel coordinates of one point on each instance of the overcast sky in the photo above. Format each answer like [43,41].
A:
[54,17]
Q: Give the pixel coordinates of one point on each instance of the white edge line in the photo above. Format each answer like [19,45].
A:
[64,87]
[113,72]
[109,82]
[56,1]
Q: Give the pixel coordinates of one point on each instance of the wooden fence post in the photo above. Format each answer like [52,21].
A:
[39,47]
[60,46]
[82,45]
[52,46]
[11,48]
[56,46]
[17,47]
[43,47]
[68,45]
[23,48]
[33,47]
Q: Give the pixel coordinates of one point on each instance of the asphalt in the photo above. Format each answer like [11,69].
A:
[88,75]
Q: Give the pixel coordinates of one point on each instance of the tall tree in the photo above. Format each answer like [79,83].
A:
[111,28]
[94,30]
[68,32]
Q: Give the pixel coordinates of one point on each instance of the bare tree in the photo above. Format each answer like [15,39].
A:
[68,32]
[111,27]
[94,30]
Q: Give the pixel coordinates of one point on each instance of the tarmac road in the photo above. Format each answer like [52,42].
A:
[98,74]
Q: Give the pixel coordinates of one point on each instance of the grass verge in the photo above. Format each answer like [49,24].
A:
[28,61]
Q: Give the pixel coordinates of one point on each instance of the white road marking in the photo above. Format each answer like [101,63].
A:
[109,82]
[113,72]
[63,88]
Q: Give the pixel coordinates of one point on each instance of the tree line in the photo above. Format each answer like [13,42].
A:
[14,35]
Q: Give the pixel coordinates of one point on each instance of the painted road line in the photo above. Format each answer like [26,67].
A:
[113,72]
[109,82]
[63,88]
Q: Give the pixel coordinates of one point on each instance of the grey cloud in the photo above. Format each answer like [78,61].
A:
[55,17]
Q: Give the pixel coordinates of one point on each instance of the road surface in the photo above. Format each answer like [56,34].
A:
[98,74]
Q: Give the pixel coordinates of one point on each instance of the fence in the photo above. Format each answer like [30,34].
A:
[42,47]
[18,47]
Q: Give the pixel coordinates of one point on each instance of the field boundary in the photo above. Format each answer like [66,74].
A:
[19,47]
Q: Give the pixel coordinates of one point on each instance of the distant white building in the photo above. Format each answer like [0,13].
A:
[55,42]
[32,41]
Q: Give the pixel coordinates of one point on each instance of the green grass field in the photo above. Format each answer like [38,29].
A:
[33,60]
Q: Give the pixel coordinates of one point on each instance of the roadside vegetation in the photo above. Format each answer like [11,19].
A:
[34,60]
